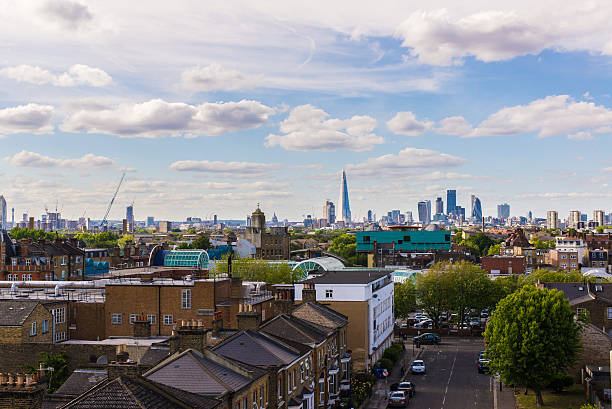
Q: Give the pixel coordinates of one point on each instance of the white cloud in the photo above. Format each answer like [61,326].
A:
[30,118]
[77,74]
[405,161]
[68,14]
[157,118]
[207,166]
[406,123]
[454,125]
[448,176]
[35,160]
[214,77]
[308,128]
[550,116]
[581,136]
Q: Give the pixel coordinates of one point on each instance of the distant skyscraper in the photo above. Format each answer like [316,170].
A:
[150,221]
[503,211]
[451,201]
[129,214]
[274,219]
[529,215]
[439,206]
[599,217]
[552,219]
[12,217]
[424,208]
[3,215]
[329,212]
[370,216]
[409,219]
[215,219]
[476,210]
[343,204]
[573,219]
[395,216]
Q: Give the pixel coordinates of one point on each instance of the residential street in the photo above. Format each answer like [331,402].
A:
[452,380]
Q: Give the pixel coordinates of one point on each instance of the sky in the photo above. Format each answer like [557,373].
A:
[214,107]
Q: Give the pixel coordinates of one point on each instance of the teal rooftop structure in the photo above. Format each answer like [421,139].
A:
[186,258]
[404,240]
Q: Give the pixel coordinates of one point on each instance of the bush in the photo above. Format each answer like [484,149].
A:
[560,382]
[386,364]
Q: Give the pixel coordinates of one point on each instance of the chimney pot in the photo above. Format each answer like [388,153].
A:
[30,380]
[20,379]
[10,379]
[3,378]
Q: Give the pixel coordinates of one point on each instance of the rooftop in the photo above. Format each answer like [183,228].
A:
[348,277]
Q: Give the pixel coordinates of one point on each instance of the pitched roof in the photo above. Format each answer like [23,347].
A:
[82,380]
[13,313]
[154,356]
[582,292]
[294,329]
[257,349]
[138,393]
[193,372]
[348,277]
[320,315]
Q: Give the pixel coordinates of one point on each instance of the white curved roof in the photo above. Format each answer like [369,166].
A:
[324,263]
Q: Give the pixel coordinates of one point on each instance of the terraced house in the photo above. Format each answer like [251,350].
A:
[30,321]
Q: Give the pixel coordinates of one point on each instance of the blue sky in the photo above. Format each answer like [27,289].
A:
[215,108]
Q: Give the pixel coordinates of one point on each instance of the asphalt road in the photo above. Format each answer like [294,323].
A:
[452,380]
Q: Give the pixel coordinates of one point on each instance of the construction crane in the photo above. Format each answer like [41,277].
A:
[110,205]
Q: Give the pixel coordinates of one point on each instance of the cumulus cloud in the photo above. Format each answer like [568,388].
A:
[550,116]
[30,118]
[581,136]
[66,13]
[77,74]
[405,161]
[27,159]
[436,38]
[308,128]
[207,166]
[157,118]
[406,123]
[214,77]
[454,125]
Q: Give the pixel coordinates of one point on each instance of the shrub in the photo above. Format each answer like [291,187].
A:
[392,354]
[386,364]
[561,381]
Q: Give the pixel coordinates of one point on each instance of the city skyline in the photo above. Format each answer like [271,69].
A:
[209,114]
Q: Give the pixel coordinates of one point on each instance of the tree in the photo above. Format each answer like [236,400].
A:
[531,337]
[433,293]
[17,233]
[201,242]
[345,246]
[555,276]
[251,269]
[494,250]
[538,243]
[404,296]
[469,287]
[58,375]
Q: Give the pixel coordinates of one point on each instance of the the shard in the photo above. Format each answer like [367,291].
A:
[343,204]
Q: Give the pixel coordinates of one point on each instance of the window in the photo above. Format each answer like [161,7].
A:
[329,293]
[14,261]
[28,261]
[610,313]
[261,395]
[255,399]
[186,299]
[60,336]
[366,239]
[45,326]
[63,260]
[168,320]
[238,405]
[152,318]
[55,262]
[29,277]
[278,388]
[301,372]
[245,403]
[289,381]
[78,259]
[33,328]
[116,319]
[23,277]
[321,386]
[133,318]
[59,315]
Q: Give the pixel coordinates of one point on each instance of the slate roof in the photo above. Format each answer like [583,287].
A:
[154,355]
[320,315]
[138,393]
[347,277]
[257,349]
[13,313]
[193,372]
[82,380]
[294,329]
[581,292]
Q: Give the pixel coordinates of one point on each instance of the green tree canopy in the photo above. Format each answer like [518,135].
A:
[251,269]
[404,295]
[345,246]
[532,337]
[17,233]
[100,240]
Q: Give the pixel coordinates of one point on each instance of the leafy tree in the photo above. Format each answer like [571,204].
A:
[494,250]
[405,298]
[17,233]
[191,230]
[345,246]
[124,239]
[251,269]
[554,276]
[433,292]
[469,287]
[58,375]
[538,243]
[531,337]
[201,242]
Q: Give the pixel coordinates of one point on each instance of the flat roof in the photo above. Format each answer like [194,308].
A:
[120,341]
[348,277]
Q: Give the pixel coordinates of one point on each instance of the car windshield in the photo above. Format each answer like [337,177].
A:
[397,395]
[417,363]
[404,385]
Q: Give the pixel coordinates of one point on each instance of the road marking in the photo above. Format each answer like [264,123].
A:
[450,375]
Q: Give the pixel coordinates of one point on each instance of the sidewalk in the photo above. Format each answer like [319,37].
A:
[503,399]
[381,387]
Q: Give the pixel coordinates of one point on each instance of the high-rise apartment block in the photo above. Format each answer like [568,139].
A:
[552,219]
[573,219]
[343,204]
[599,217]
[3,213]
[451,201]
[329,212]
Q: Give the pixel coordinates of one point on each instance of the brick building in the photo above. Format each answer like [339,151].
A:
[270,244]
[30,321]
[503,264]
[215,302]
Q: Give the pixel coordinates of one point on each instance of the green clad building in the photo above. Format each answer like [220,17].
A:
[403,240]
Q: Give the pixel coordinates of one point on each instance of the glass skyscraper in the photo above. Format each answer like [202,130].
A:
[476,209]
[343,204]
[451,201]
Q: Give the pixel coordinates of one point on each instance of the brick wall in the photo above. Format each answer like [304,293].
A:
[596,346]
[10,335]
[504,265]
[88,321]
[12,397]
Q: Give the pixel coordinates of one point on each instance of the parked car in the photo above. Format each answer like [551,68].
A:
[474,322]
[483,366]
[426,339]
[424,324]
[418,366]
[408,387]
[398,399]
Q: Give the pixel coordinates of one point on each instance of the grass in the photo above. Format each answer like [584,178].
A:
[571,398]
